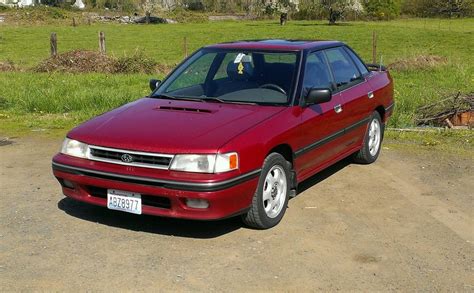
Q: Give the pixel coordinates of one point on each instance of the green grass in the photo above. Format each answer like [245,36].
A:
[27,45]
[32,100]
[459,142]
[52,101]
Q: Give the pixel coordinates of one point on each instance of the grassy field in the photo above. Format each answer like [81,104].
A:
[31,101]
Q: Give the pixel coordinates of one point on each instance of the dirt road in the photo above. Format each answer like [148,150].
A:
[403,223]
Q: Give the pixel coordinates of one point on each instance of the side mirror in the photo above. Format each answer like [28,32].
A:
[318,96]
[154,83]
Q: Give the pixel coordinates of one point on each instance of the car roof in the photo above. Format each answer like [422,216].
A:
[278,45]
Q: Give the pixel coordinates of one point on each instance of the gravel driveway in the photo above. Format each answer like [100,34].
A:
[403,223]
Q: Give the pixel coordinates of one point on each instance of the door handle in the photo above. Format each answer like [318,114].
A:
[370,95]
[338,108]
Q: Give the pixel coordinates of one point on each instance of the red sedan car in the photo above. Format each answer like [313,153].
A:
[231,131]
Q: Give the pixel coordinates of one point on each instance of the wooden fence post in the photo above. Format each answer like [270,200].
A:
[54,44]
[374,47]
[74,21]
[102,42]
[185,47]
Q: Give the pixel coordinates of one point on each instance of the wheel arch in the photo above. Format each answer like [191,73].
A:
[381,110]
[287,152]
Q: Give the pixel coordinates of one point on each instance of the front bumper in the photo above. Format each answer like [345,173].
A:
[161,197]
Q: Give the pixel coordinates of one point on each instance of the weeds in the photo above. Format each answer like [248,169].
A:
[78,61]
[81,61]
[138,62]
[7,66]
[423,62]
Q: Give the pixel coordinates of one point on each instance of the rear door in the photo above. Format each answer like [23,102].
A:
[355,94]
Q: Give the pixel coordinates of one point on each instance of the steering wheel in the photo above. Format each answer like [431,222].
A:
[273,86]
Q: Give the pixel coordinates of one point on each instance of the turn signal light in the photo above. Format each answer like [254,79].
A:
[233,161]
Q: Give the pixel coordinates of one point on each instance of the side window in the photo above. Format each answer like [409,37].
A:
[195,74]
[316,73]
[360,65]
[343,68]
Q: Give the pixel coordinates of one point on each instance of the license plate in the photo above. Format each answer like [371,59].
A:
[124,201]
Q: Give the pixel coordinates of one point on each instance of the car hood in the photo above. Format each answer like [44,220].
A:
[165,126]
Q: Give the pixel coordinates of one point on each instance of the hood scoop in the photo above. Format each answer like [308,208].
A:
[182,109]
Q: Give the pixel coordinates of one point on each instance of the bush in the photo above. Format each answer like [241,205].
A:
[40,13]
[382,9]
[422,62]
[136,63]
[121,5]
[183,16]
[430,8]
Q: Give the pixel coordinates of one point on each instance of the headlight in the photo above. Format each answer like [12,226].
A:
[74,148]
[206,163]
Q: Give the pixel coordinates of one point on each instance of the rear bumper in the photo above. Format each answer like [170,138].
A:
[161,197]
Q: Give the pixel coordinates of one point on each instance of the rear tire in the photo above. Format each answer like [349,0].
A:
[372,141]
[270,200]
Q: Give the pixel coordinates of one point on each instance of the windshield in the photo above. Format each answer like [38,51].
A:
[233,76]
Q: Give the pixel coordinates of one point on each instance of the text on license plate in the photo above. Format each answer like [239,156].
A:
[124,201]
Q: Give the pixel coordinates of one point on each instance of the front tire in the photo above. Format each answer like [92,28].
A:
[372,141]
[271,197]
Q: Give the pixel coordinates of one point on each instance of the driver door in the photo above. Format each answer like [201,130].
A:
[320,124]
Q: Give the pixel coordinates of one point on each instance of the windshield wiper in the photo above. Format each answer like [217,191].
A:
[164,96]
[214,99]
[200,99]
[169,97]
[211,99]
[241,103]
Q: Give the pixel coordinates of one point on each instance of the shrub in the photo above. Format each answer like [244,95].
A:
[424,8]
[181,15]
[136,63]
[382,9]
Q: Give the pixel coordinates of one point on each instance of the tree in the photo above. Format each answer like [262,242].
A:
[283,7]
[335,9]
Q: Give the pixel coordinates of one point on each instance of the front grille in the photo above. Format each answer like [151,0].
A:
[147,200]
[140,159]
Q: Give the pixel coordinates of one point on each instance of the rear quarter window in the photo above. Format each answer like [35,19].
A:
[342,66]
[360,65]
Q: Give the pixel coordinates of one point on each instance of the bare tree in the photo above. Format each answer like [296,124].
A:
[148,6]
[335,9]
